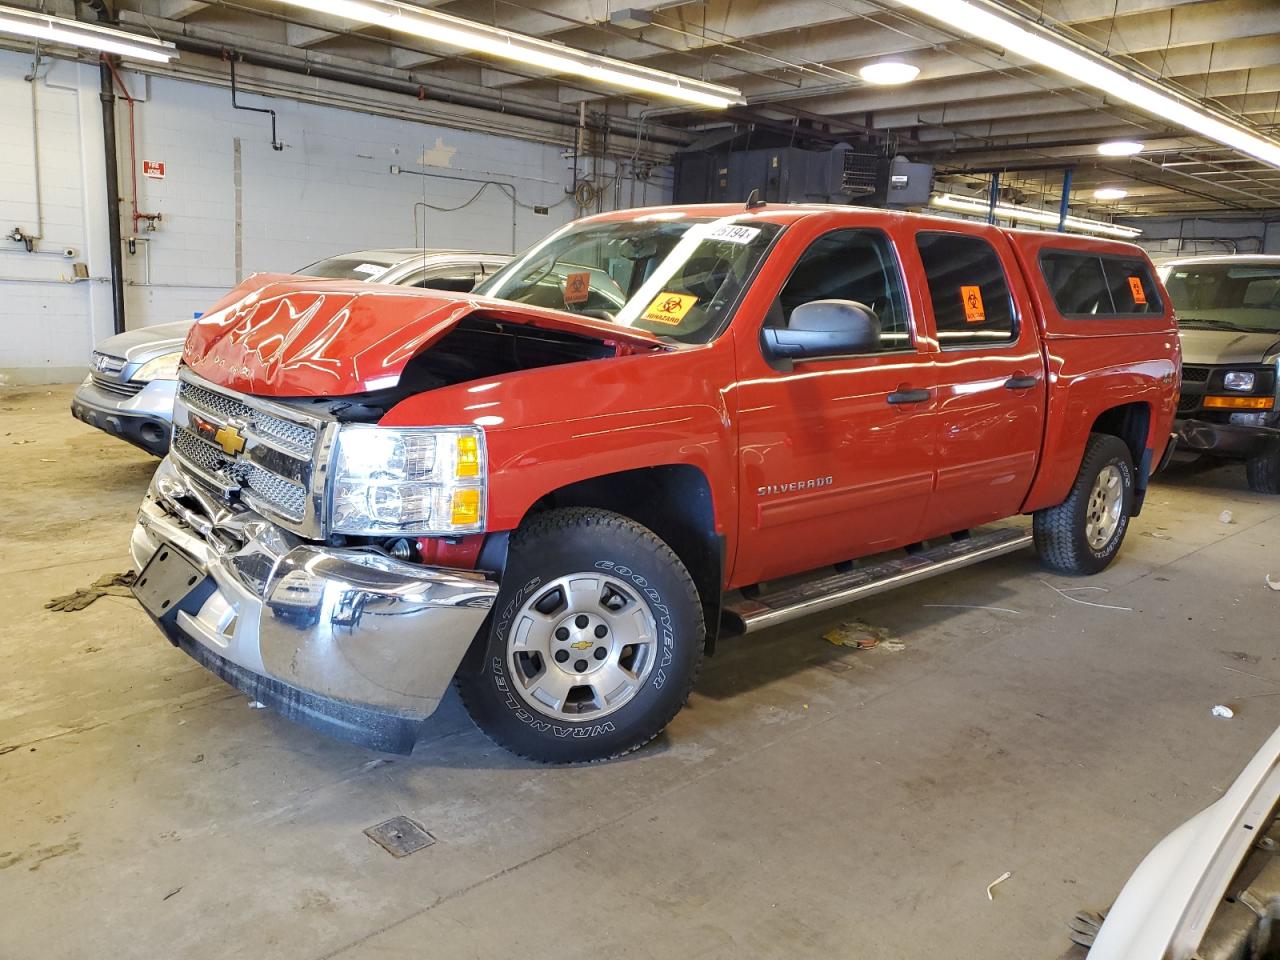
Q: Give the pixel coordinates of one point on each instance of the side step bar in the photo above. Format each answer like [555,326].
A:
[836,589]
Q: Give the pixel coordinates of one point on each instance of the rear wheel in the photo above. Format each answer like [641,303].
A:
[595,640]
[1083,533]
[1263,473]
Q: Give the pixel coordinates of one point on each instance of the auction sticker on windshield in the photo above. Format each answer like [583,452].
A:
[669,308]
[733,233]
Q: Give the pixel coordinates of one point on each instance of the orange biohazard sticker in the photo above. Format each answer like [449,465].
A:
[1139,295]
[669,308]
[577,287]
[974,312]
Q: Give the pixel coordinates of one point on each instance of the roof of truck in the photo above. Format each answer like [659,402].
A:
[783,213]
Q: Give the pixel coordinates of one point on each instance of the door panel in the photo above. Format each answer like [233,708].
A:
[990,381]
[831,470]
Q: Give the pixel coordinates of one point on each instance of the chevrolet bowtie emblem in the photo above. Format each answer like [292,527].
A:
[581,644]
[229,439]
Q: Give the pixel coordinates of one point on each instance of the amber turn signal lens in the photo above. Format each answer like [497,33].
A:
[1240,403]
[468,456]
[466,507]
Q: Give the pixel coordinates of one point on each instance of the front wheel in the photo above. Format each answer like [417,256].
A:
[594,643]
[1083,533]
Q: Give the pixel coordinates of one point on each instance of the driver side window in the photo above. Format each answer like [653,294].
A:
[852,264]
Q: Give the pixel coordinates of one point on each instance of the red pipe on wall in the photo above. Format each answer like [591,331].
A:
[133,155]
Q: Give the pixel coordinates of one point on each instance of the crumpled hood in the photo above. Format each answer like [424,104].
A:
[1224,346]
[277,336]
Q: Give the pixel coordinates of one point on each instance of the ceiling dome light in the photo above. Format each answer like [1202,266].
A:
[1119,148]
[888,73]
[1110,193]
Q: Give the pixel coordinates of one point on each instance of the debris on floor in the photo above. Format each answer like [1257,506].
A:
[996,882]
[1226,516]
[257,705]
[1066,594]
[113,584]
[400,836]
[1156,535]
[1273,584]
[856,634]
[1084,927]
[1226,713]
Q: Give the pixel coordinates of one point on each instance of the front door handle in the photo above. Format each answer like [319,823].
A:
[909,396]
[1021,383]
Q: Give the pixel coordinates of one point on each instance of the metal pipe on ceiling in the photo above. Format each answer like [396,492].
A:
[407,88]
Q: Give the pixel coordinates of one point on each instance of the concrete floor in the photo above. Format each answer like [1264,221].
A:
[812,801]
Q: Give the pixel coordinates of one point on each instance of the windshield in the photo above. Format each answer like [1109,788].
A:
[348,266]
[1226,296]
[674,276]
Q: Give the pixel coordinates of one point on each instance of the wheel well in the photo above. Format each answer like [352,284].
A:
[674,501]
[1131,422]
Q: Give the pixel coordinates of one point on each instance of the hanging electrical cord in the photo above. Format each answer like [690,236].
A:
[506,188]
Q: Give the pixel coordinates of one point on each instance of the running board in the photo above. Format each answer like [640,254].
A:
[768,609]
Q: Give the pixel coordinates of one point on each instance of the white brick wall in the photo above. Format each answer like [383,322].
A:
[330,190]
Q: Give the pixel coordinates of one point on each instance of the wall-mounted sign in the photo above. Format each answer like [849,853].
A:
[153,169]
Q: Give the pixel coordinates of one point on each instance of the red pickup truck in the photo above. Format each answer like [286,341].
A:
[654,425]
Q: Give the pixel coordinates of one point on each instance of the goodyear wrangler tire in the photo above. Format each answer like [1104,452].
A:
[1083,534]
[594,641]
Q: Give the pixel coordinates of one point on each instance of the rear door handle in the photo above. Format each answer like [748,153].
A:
[1021,383]
[909,396]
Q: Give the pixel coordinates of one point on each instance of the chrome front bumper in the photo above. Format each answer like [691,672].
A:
[347,640]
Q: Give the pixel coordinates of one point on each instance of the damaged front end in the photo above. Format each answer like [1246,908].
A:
[346,640]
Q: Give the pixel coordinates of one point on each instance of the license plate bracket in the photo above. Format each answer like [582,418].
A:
[166,581]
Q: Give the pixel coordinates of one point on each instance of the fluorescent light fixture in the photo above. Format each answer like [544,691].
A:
[504,44]
[977,207]
[1081,66]
[888,73]
[1120,148]
[89,36]
[1110,193]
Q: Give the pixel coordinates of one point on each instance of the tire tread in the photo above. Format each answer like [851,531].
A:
[562,520]
[1058,539]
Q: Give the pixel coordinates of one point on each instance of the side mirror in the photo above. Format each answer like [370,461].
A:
[824,328]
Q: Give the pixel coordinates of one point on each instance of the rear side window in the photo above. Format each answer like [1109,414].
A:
[1086,285]
[968,289]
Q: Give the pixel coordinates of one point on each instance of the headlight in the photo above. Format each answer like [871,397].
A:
[163,367]
[416,481]
[1238,380]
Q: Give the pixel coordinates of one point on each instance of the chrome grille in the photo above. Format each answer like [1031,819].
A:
[105,363]
[292,436]
[283,495]
[125,388]
[196,452]
[250,449]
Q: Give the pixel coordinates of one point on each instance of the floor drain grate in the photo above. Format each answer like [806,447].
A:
[400,836]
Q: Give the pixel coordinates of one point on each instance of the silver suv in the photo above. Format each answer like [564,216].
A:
[1229,317]
[133,375]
